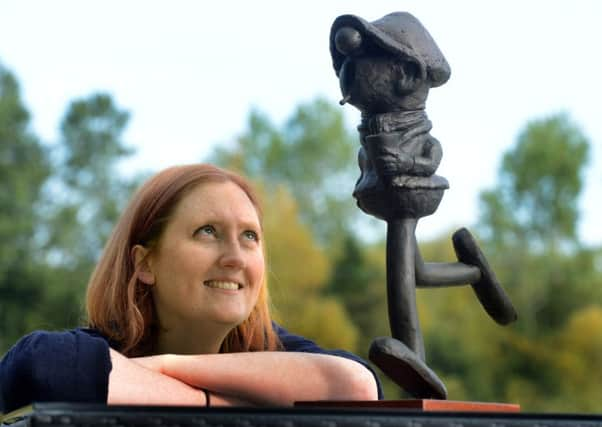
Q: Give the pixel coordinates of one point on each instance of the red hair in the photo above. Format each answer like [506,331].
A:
[121,307]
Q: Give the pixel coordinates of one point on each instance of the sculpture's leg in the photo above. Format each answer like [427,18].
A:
[490,293]
[472,269]
[440,274]
[402,357]
[401,284]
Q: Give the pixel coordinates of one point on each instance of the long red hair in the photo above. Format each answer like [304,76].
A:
[121,307]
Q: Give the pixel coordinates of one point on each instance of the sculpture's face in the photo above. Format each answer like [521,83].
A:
[376,81]
[370,84]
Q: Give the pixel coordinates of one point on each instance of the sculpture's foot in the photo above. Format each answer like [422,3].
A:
[404,367]
[489,292]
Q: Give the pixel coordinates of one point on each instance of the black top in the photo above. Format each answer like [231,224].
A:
[74,366]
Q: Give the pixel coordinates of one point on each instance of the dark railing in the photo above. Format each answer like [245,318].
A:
[65,415]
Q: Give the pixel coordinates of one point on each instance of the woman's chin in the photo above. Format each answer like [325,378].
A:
[230,319]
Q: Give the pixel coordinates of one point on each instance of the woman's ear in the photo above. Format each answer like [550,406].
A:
[141,261]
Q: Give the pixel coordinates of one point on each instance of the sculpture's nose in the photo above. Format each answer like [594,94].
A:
[346,77]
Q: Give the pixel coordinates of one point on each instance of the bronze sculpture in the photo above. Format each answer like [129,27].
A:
[386,69]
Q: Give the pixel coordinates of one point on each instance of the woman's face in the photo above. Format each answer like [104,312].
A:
[208,266]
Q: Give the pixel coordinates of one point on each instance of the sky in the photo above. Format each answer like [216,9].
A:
[190,71]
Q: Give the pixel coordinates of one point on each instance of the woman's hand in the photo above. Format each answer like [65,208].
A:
[132,383]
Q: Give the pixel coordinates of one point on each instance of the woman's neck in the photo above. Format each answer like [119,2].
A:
[187,340]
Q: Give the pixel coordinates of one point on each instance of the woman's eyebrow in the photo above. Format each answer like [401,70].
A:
[207,217]
[250,224]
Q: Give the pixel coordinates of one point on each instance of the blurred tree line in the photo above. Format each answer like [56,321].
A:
[58,203]
[59,200]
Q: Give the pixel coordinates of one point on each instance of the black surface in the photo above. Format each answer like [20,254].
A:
[57,414]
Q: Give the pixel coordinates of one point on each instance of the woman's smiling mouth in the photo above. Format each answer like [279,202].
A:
[221,284]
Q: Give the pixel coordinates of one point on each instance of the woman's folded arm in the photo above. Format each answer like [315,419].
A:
[132,383]
[270,378]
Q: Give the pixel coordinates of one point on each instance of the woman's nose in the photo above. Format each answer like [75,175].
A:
[232,255]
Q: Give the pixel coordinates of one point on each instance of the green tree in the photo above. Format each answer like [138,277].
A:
[360,285]
[84,199]
[87,192]
[559,372]
[312,154]
[23,170]
[541,178]
[529,222]
[57,206]
[298,269]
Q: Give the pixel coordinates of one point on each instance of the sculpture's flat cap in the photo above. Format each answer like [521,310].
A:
[399,33]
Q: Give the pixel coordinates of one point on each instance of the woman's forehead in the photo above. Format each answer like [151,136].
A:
[218,198]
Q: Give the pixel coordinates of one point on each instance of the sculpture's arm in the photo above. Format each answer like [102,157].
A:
[426,163]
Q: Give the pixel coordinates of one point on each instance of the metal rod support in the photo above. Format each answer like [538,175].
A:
[401,284]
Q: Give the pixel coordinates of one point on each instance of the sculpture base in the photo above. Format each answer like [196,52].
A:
[426,405]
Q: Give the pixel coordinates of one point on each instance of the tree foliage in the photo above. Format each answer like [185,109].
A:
[87,187]
[359,282]
[529,221]
[58,203]
[298,270]
[312,154]
[541,178]
[24,168]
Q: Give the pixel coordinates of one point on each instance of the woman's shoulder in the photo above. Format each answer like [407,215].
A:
[45,366]
[49,344]
[293,342]
[42,338]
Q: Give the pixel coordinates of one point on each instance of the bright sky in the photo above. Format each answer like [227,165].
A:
[189,71]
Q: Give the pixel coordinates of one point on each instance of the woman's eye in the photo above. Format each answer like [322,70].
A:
[251,235]
[206,230]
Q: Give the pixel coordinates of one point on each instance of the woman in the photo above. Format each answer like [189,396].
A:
[178,314]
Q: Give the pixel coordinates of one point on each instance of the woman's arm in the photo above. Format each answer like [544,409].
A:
[270,378]
[79,366]
[133,384]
